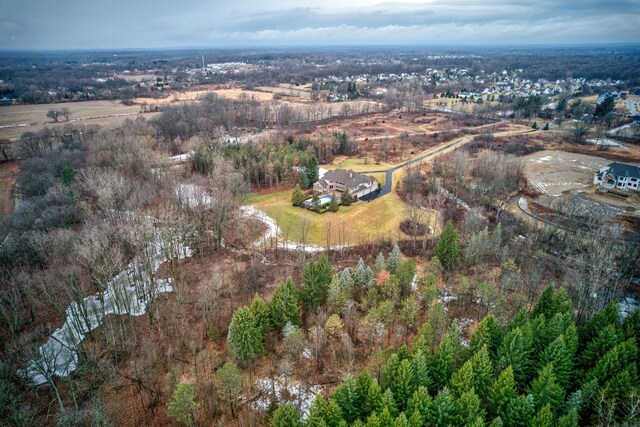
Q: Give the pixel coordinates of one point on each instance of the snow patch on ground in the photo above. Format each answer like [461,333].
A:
[544,159]
[627,306]
[273,230]
[605,142]
[193,196]
[276,390]
[180,158]
[447,296]
[414,283]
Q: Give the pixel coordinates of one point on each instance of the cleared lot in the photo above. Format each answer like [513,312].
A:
[557,172]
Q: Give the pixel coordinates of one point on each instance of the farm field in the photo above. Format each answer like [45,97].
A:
[288,90]
[194,95]
[37,113]
[17,119]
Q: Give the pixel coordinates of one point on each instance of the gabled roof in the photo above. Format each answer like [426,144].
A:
[624,170]
[352,180]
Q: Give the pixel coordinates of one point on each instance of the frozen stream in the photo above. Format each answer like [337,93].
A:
[129,292]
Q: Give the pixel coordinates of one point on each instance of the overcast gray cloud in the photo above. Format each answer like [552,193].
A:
[60,24]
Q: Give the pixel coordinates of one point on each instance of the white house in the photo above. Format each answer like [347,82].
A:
[618,175]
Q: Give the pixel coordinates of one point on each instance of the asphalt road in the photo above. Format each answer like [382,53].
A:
[386,188]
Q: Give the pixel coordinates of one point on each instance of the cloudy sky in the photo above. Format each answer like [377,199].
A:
[89,24]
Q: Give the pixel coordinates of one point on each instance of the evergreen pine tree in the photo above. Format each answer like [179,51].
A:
[502,392]
[615,361]
[631,325]
[606,339]
[360,275]
[311,169]
[515,351]
[608,316]
[469,406]
[385,418]
[444,410]
[442,365]
[394,260]
[545,389]
[618,388]
[245,337]
[283,307]
[401,421]
[546,304]
[363,382]
[373,399]
[333,204]
[260,313]
[373,421]
[415,420]
[476,374]
[390,370]
[388,402]
[347,398]
[381,264]
[421,369]
[315,283]
[315,416]
[403,384]
[448,248]
[462,379]
[520,411]
[570,419]
[297,197]
[544,417]
[286,415]
[560,357]
[487,333]
[333,414]
[420,402]
[182,405]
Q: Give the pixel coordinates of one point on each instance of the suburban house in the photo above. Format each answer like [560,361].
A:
[342,180]
[618,175]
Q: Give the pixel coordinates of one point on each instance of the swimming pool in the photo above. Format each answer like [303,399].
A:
[325,200]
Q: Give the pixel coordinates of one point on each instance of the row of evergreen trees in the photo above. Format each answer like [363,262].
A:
[540,370]
[274,164]
[249,324]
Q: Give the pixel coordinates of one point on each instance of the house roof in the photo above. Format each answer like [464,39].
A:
[624,170]
[352,180]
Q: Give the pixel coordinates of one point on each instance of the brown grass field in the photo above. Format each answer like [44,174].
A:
[17,119]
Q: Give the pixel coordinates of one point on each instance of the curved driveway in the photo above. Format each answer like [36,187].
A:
[386,188]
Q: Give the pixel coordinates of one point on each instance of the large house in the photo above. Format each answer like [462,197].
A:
[346,180]
[618,175]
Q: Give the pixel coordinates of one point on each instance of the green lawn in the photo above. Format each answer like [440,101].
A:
[360,222]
